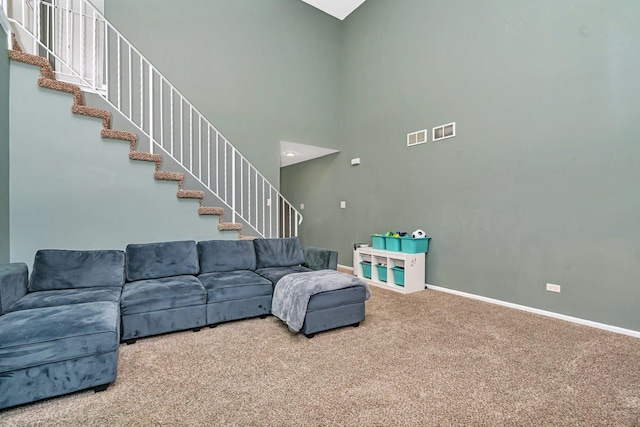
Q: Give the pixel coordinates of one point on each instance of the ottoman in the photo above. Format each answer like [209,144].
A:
[318,301]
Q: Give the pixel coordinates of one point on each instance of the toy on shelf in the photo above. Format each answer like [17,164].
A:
[419,234]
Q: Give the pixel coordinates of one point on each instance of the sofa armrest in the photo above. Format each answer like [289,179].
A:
[320,259]
[13,284]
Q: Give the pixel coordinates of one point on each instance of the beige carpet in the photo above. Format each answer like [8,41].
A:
[424,359]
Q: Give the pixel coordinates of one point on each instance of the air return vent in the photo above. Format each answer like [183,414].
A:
[416,138]
[444,131]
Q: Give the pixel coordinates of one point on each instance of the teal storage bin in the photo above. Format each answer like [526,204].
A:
[398,276]
[377,242]
[382,272]
[366,269]
[414,246]
[393,243]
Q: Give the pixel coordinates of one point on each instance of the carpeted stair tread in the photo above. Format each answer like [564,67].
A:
[229,226]
[15,45]
[247,238]
[168,176]
[78,97]
[210,211]
[45,68]
[120,135]
[145,157]
[98,113]
[190,194]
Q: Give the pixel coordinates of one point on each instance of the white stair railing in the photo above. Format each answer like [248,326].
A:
[86,49]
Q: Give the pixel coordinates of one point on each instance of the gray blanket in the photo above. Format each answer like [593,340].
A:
[292,293]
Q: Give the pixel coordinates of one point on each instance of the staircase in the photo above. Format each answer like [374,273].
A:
[78,50]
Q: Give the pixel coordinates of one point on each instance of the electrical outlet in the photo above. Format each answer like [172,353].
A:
[553,288]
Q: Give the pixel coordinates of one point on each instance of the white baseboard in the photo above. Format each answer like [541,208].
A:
[610,328]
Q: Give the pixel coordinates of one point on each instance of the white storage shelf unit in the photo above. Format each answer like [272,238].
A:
[413,268]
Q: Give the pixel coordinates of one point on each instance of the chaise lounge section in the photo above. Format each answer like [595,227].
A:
[60,329]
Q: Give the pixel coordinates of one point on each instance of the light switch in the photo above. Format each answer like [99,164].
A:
[343,205]
[301,206]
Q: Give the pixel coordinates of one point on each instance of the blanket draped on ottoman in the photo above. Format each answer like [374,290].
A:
[293,292]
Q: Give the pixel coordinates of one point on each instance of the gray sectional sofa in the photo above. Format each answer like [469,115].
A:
[60,328]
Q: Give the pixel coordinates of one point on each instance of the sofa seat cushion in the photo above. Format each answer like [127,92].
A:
[63,269]
[278,252]
[158,260]
[337,298]
[276,273]
[226,255]
[234,285]
[39,336]
[67,296]
[150,295]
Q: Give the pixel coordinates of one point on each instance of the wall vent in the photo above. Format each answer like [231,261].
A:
[415,138]
[444,132]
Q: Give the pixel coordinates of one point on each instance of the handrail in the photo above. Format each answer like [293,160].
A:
[88,50]
[4,23]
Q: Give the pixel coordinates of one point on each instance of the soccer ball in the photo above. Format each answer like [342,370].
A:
[419,234]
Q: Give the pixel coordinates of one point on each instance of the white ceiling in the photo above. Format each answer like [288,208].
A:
[301,153]
[338,8]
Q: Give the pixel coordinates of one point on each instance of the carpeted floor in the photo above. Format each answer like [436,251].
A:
[418,360]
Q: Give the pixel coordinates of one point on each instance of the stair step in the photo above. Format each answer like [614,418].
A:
[119,135]
[247,238]
[145,157]
[210,211]
[91,112]
[229,226]
[190,194]
[45,68]
[168,176]
[15,45]
[54,84]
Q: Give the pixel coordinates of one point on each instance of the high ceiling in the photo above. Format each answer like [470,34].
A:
[338,8]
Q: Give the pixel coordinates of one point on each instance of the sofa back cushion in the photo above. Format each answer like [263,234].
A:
[226,255]
[13,284]
[278,252]
[165,259]
[63,269]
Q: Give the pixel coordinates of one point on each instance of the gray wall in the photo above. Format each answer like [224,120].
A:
[261,71]
[70,189]
[4,150]
[540,185]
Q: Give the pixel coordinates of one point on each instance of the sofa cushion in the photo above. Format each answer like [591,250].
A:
[234,285]
[64,269]
[160,294]
[276,273]
[278,252]
[165,259]
[226,255]
[13,284]
[320,259]
[51,334]
[67,296]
